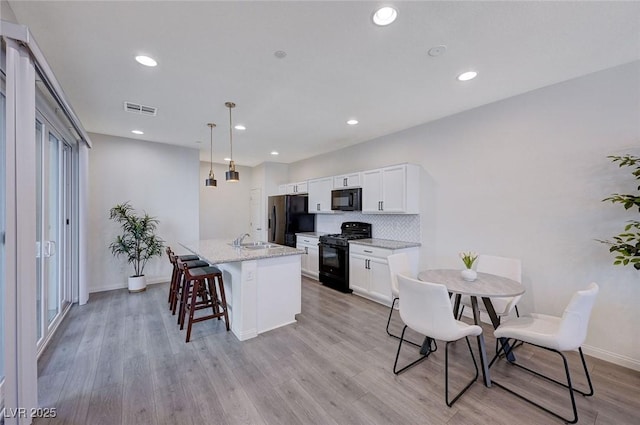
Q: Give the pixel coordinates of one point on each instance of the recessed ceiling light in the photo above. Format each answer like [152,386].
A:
[385,16]
[137,132]
[466,76]
[275,153]
[280,54]
[146,60]
[352,122]
[240,127]
[226,159]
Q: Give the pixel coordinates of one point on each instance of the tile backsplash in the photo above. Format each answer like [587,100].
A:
[383,226]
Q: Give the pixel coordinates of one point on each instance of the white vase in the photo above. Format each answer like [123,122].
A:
[469,275]
[137,283]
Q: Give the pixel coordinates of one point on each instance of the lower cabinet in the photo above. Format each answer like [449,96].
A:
[311,256]
[369,271]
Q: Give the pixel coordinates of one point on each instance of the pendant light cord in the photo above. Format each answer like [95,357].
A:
[211,125]
[230,134]
[211,158]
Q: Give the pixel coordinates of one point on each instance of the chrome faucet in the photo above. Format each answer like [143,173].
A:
[239,239]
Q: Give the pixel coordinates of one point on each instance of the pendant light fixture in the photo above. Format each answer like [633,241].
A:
[232,175]
[211,181]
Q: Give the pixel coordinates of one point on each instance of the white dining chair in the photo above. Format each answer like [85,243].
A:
[426,309]
[510,268]
[398,264]
[556,334]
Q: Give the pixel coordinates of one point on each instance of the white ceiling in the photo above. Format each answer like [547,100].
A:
[339,65]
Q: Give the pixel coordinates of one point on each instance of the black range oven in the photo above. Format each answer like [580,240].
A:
[334,254]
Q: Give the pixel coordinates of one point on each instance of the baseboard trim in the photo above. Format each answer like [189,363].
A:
[596,352]
[610,357]
[123,285]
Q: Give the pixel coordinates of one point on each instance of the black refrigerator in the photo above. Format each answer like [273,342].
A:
[288,214]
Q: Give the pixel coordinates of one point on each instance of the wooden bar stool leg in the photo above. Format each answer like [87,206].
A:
[192,307]
[223,300]
[177,291]
[172,285]
[214,295]
[186,288]
[173,272]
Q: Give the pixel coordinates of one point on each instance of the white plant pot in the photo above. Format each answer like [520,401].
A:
[137,283]
[469,275]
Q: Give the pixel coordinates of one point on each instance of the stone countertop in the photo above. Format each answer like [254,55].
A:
[218,251]
[311,234]
[385,243]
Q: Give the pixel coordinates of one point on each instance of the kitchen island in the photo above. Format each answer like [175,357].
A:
[262,284]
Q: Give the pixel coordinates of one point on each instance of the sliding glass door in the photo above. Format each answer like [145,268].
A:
[2,229]
[54,244]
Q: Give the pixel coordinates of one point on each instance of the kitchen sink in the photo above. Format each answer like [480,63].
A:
[259,245]
[255,245]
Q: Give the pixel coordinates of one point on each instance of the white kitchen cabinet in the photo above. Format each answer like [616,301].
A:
[292,188]
[320,195]
[371,190]
[391,190]
[346,181]
[311,257]
[369,271]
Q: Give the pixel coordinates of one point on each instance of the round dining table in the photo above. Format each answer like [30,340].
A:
[486,286]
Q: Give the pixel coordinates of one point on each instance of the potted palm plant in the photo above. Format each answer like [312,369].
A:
[626,245]
[138,241]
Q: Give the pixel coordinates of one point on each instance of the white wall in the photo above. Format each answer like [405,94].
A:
[6,13]
[160,179]
[225,209]
[525,177]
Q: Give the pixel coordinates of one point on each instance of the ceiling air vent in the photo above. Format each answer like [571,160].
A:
[136,108]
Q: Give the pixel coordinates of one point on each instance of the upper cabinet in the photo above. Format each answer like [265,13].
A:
[293,188]
[346,181]
[320,195]
[387,190]
[391,190]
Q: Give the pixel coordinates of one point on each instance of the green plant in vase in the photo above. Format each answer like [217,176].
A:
[468,258]
[626,245]
[138,242]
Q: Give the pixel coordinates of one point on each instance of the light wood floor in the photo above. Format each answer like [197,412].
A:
[121,359]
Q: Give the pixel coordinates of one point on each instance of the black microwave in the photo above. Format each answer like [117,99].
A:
[346,199]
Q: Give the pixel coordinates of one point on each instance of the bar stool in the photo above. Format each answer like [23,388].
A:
[176,275]
[201,282]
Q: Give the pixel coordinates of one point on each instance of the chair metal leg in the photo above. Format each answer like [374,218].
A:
[568,385]
[460,315]
[393,303]
[395,364]
[446,373]
[397,337]
[516,344]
